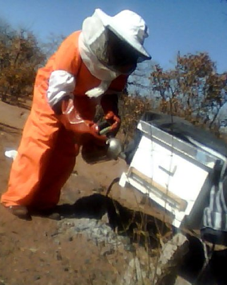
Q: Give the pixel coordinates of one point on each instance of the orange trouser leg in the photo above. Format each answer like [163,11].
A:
[59,168]
[35,159]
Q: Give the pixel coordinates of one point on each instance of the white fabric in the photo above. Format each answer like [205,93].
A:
[129,26]
[61,84]
[92,27]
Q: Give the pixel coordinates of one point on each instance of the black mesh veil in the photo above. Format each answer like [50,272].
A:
[114,52]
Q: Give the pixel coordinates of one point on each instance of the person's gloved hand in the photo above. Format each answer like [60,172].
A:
[85,131]
[114,122]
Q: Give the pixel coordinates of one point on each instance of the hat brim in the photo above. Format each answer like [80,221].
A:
[121,33]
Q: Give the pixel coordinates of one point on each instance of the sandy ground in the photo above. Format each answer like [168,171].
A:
[43,251]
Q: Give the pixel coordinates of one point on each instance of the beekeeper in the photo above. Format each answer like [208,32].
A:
[90,68]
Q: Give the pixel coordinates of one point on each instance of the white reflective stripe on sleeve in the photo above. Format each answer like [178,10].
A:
[61,83]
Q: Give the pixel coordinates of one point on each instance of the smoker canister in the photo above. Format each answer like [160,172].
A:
[93,154]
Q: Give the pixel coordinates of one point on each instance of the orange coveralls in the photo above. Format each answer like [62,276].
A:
[47,152]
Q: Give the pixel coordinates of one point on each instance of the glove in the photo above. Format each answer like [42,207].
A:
[109,103]
[85,131]
[114,122]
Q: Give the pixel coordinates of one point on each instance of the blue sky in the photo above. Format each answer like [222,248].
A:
[188,26]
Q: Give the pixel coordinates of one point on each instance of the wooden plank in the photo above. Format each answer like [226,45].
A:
[182,204]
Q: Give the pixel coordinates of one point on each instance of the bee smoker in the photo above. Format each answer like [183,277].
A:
[111,151]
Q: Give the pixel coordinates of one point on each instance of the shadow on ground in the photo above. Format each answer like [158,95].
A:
[138,226]
[146,230]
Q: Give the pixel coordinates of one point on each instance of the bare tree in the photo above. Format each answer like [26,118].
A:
[20,57]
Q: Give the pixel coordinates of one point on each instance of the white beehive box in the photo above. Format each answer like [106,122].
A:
[173,173]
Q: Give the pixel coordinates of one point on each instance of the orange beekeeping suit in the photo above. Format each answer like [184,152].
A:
[47,152]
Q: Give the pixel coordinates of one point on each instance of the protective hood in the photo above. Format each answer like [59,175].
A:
[128,26]
[102,58]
